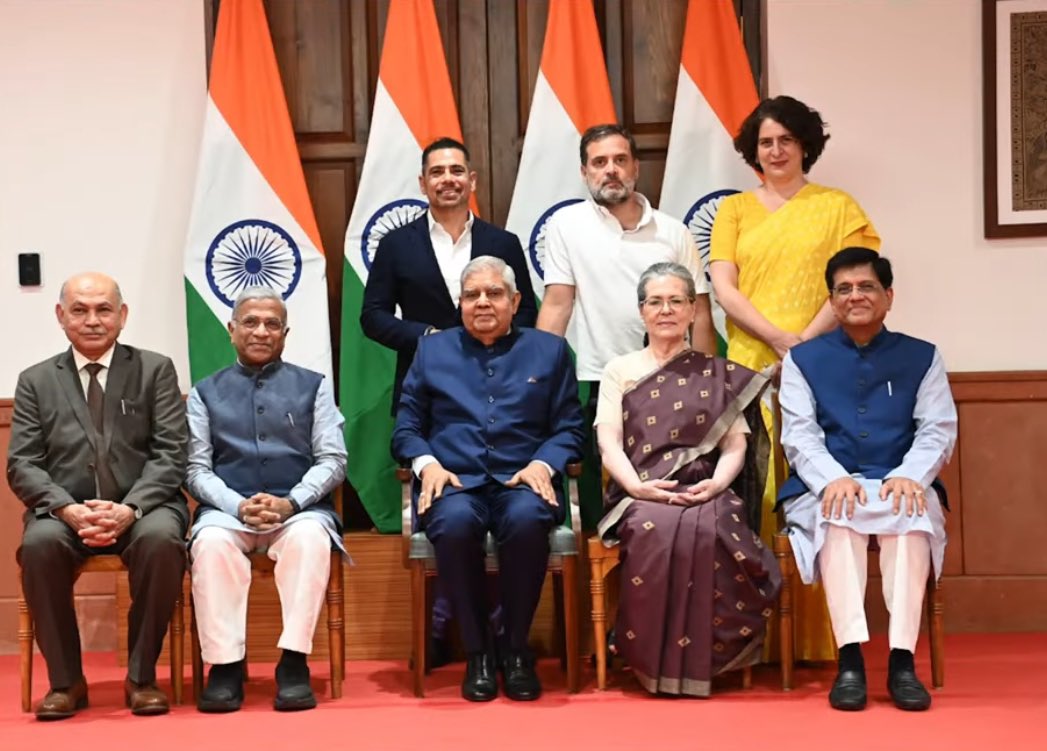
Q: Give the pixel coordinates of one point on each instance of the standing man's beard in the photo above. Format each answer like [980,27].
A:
[607,196]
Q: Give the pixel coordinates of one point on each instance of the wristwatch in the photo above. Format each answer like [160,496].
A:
[138,511]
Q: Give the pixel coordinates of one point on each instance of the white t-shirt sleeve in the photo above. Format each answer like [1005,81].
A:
[688,256]
[557,262]
[609,402]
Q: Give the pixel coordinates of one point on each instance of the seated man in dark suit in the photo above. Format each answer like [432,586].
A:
[97,455]
[417,268]
[489,417]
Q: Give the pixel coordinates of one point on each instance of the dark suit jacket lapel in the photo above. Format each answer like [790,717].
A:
[480,247]
[425,241]
[69,381]
[115,385]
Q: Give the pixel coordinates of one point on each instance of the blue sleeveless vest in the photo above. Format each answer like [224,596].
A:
[865,398]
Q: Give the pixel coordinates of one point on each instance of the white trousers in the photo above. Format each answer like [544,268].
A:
[222,578]
[905,562]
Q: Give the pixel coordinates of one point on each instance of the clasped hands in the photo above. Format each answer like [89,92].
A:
[263,512]
[670,491]
[435,478]
[843,493]
[98,523]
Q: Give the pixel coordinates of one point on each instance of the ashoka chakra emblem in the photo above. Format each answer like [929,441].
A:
[252,253]
[699,221]
[536,245]
[385,220]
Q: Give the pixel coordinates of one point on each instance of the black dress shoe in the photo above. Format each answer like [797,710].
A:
[293,692]
[848,692]
[906,690]
[521,682]
[480,683]
[225,689]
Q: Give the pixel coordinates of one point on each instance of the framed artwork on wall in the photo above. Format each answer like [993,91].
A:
[1014,106]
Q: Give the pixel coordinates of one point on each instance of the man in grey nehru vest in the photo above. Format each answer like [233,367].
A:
[266,451]
[97,456]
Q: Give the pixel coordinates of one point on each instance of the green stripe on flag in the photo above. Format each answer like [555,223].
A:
[366,393]
[209,347]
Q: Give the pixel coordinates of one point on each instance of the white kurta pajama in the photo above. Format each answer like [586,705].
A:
[835,550]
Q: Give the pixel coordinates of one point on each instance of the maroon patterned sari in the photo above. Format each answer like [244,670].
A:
[697,583]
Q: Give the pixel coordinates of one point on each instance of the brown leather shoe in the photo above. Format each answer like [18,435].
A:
[59,704]
[145,699]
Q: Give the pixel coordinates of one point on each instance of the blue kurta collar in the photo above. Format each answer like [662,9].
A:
[266,370]
[875,343]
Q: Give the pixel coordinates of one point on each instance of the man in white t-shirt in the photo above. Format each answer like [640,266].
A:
[595,252]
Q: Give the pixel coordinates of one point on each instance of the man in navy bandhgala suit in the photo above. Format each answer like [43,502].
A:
[489,418]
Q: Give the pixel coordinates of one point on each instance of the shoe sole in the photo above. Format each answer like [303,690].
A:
[294,706]
[848,707]
[50,716]
[218,707]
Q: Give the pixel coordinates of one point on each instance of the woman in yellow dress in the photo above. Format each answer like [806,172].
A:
[768,252]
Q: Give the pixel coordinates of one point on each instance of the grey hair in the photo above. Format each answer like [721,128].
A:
[490,263]
[665,268]
[65,284]
[260,293]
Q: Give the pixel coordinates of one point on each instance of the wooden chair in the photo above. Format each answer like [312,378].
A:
[420,559]
[934,608]
[262,565]
[96,563]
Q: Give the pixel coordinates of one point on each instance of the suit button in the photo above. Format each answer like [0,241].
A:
[861,381]
[490,420]
[264,462]
[490,447]
[490,371]
[490,400]
[261,410]
[862,410]
[261,437]
[90,468]
[863,434]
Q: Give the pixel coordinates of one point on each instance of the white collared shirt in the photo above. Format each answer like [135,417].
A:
[452,256]
[82,360]
[587,248]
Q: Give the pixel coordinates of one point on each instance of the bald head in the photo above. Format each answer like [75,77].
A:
[91,280]
[92,313]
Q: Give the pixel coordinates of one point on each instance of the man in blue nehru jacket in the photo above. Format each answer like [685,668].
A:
[868,422]
[265,452]
[489,418]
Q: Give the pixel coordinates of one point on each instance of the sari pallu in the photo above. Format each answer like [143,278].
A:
[697,582]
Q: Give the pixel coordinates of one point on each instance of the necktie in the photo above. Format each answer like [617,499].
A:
[107,489]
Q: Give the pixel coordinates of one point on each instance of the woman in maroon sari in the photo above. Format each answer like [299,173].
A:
[697,583]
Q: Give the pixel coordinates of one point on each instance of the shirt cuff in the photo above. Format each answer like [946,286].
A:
[552,472]
[421,462]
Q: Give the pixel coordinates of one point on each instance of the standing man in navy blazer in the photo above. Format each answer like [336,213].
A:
[489,416]
[417,266]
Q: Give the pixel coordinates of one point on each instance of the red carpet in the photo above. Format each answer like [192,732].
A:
[995,698]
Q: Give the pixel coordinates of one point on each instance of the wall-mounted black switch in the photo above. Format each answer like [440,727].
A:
[29,269]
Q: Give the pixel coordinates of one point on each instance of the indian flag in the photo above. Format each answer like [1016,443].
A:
[714,95]
[572,93]
[251,222]
[413,106]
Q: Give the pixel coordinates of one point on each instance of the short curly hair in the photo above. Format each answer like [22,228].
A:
[793,115]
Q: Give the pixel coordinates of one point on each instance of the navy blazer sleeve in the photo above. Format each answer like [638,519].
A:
[377,314]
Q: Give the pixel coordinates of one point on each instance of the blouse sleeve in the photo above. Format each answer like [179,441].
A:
[724,240]
[858,230]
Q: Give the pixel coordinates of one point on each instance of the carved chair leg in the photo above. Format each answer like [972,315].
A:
[336,624]
[936,630]
[747,677]
[597,589]
[570,621]
[787,564]
[418,630]
[25,649]
[177,648]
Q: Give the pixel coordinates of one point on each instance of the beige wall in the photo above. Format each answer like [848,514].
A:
[899,82]
[102,114]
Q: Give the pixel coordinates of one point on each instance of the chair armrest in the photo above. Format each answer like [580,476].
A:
[403,474]
[573,472]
